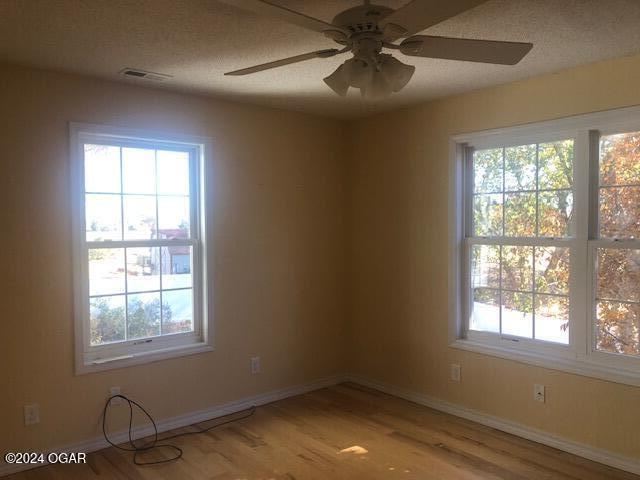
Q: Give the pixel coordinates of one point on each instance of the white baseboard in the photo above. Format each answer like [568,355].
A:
[184,420]
[586,451]
[598,455]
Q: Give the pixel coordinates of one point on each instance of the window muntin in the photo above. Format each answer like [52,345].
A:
[138,247]
[522,192]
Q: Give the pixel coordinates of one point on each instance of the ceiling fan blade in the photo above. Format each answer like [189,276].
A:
[270,9]
[418,15]
[287,61]
[484,51]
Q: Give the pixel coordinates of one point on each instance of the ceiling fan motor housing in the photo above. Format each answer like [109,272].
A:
[365,37]
[364,18]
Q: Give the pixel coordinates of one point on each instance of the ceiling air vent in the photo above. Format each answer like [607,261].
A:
[143,74]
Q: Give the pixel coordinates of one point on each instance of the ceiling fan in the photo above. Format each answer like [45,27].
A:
[366,30]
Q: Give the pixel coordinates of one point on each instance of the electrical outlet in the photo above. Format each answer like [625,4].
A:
[31,414]
[255,365]
[539,393]
[115,391]
[455,372]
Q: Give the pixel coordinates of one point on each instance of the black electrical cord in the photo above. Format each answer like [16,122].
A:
[154,443]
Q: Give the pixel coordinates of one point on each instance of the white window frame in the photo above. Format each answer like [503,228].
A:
[580,356]
[133,352]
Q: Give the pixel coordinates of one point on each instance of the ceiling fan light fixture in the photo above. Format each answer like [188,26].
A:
[379,88]
[354,72]
[396,73]
[358,72]
[375,82]
[338,81]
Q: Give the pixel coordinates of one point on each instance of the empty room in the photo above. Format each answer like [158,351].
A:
[337,239]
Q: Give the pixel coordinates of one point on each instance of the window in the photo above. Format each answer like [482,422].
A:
[547,244]
[617,254]
[523,192]
[138,247]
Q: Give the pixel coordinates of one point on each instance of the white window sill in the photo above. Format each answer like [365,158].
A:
[90,366]
[578,366]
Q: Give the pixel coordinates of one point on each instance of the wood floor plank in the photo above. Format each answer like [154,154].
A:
[343,432]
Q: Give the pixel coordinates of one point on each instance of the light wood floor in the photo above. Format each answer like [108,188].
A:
[345,432]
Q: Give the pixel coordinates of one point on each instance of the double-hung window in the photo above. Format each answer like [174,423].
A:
[546,251]
[139,251]
[615,251]
[519,237]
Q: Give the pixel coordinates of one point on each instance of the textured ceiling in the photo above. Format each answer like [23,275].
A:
[196,41]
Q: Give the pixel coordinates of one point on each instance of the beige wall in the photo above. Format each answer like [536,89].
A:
[330,254]
[277,211]
[400,258]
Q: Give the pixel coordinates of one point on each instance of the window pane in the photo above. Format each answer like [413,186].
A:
[173,173]
[620,212]
[174,217]
[139,217]
[139,170]
[487,215]
[520,215]
[620,159]
[618,274]
[619,328]
[107,319]
[103,217]
[143,315]
[143,269]
[555,163]
[517,268]
[552,270]
[517,314]
[106,271]
[552,318]
[485,266]
[520,168]
[555,213]
[176,267]
[486,310]
[177,311]
[101,169]
[487,171]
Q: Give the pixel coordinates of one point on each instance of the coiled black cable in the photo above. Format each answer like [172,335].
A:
[138,449]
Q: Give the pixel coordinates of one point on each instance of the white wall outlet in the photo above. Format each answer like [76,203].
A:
[255,365]
[539,393]
[455,372]
[31,414]
[115,391]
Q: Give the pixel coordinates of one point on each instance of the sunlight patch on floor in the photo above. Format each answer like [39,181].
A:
[356,450]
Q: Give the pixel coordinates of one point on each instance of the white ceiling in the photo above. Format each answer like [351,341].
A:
[196,41]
